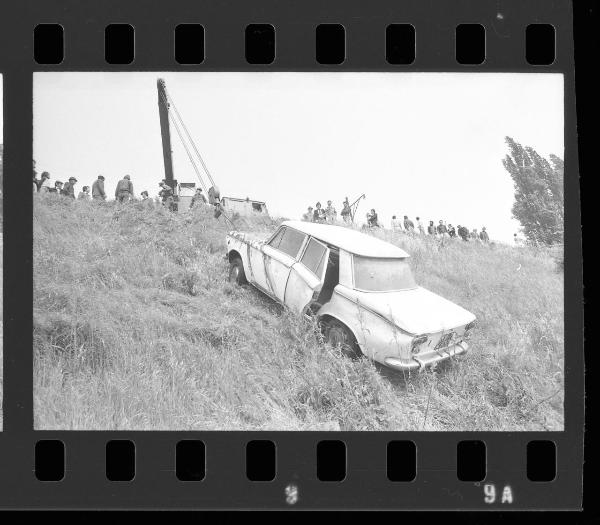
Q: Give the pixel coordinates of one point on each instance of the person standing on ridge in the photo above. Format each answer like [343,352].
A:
[330,213]
[346,211]
[441,229]
[98,193]
[483,235]
[396,224]
[431,229]
[124,190]
[166,194]
[372,219]
[42,183]
[308,216]
[68,190]
[84,194]
[198,198]
[319,213]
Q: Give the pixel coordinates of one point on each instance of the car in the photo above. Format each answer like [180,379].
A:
[360,288]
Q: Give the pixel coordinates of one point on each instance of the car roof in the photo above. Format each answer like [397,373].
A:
[349,239]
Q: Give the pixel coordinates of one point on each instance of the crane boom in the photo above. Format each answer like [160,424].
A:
[165,132]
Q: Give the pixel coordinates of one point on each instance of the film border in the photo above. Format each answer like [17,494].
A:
[225,485]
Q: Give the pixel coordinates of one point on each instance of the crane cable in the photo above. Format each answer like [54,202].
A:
[220,208]
[191,140]
[185,146]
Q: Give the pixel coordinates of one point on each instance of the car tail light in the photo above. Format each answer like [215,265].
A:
[417,342]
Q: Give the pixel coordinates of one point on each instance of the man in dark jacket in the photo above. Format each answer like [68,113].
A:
[451,231]
[124,190]
[441,229]
[409,225]
[483,235]
[346,211]
[463,233]
[166,194]
[68,190]
[318,213]
[98,193]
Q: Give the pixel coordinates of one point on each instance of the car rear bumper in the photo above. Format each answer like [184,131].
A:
[421,361]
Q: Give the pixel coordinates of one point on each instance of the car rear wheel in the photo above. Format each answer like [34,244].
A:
[339,336]
[236,272]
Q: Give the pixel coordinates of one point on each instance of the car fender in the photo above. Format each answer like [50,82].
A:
[376,337]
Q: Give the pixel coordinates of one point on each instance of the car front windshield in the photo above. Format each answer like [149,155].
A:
[378,274]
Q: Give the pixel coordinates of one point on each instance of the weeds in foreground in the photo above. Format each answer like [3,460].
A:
[136,327]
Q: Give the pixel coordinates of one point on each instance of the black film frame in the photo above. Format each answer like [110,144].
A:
[225,485]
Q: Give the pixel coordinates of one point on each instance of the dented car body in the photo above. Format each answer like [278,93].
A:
[360,288]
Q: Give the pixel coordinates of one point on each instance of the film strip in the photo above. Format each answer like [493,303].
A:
[52,461]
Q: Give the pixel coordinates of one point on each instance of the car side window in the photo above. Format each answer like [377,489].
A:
[274,242]
[314,257]
[291,242]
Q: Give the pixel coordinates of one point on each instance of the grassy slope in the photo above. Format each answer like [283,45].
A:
[137,328]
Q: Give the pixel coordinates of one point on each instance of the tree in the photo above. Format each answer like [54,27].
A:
[539,195]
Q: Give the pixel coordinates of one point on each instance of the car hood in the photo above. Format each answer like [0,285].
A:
[417,311]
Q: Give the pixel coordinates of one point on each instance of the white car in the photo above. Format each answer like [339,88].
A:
[360,288]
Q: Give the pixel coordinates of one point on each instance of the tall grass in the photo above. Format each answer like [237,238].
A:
[136,327]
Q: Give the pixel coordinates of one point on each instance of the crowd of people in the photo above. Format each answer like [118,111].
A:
[123,191]
[328,215]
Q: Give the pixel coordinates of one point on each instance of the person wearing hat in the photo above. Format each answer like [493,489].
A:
[483,235]
[68,190]
[124,190]
[198,198]
[98,193]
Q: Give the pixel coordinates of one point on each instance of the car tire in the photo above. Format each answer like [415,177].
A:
[339,335]
[236,272]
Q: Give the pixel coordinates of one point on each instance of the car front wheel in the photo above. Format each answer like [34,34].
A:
[236,272]
[339,336]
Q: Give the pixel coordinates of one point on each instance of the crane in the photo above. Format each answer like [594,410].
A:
[169,115]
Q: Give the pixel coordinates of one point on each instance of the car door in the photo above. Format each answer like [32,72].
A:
[306,276]
[257,256]
[279,258]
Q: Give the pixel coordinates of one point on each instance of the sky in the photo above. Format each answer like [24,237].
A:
[417,144]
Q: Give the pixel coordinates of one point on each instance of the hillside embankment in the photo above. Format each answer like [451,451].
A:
[136,327]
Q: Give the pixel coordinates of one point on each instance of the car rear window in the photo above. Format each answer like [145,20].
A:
[314,257]
[374,274]
[288,241]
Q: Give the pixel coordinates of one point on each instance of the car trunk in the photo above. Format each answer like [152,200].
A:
[419,312]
